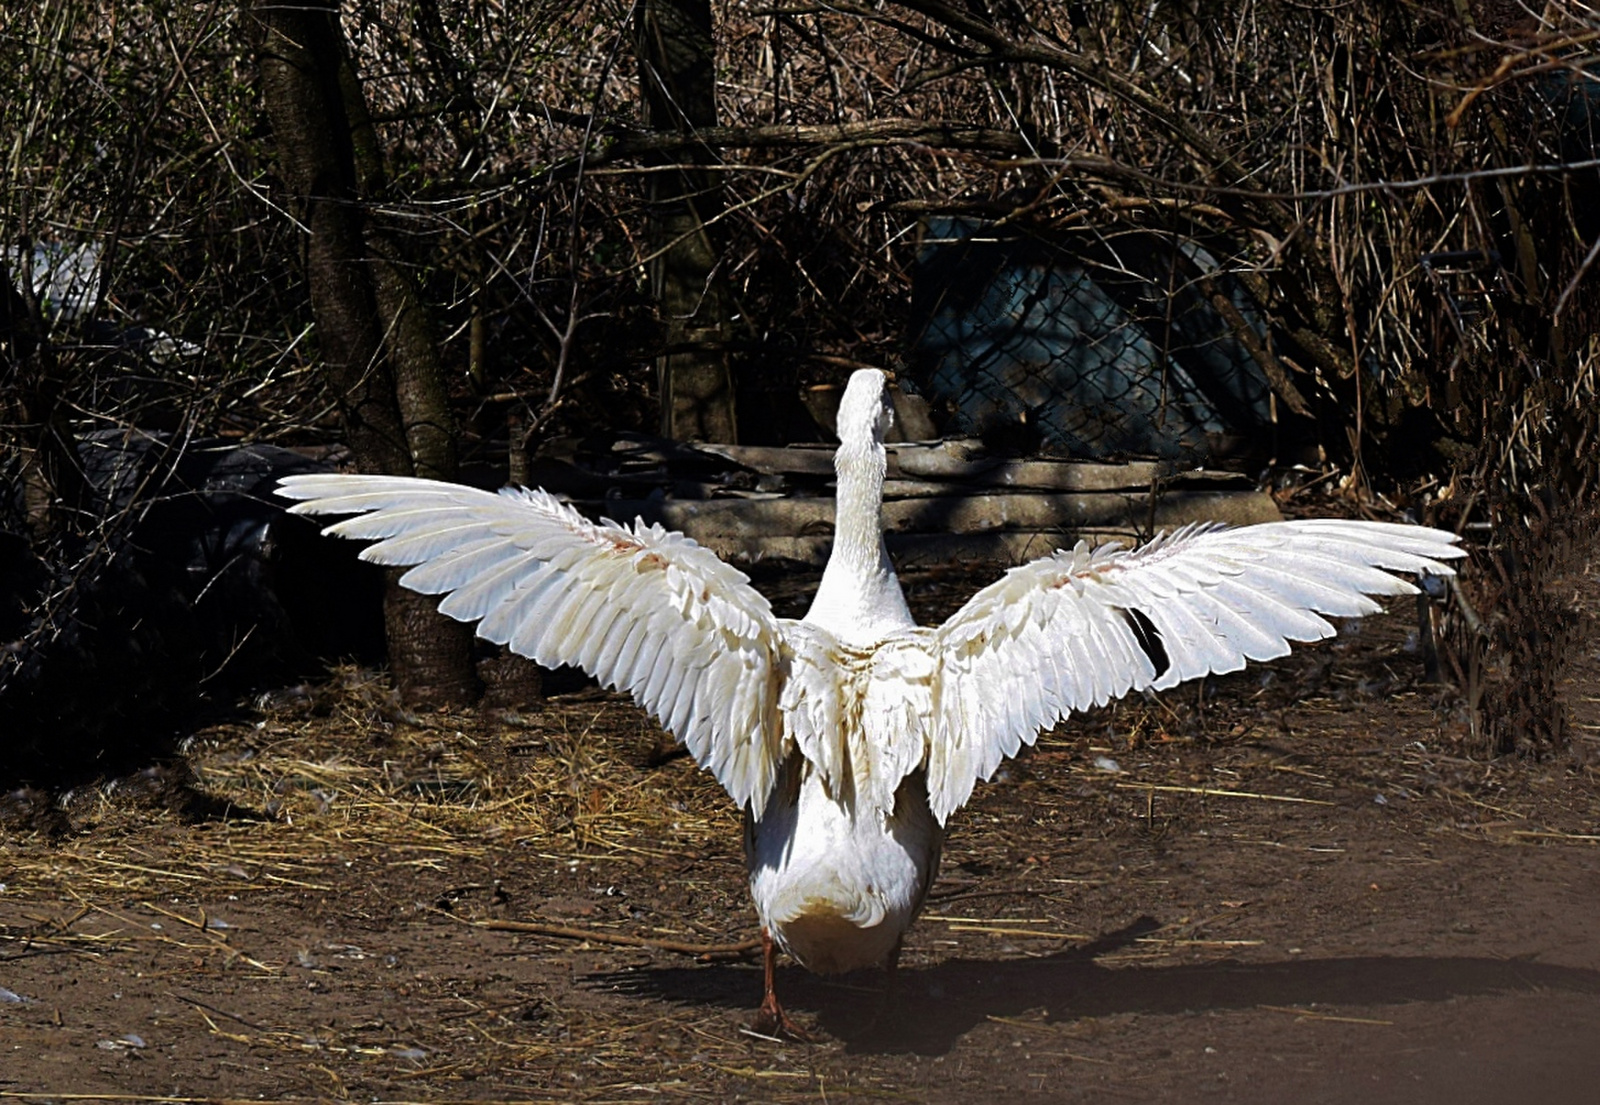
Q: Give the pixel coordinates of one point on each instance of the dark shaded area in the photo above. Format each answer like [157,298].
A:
[192,587]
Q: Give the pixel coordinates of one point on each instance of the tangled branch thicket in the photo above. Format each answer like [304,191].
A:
[1406,191]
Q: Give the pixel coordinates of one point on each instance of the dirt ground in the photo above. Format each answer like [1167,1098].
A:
[1300,883]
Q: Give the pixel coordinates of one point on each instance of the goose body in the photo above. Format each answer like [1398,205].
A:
[850,735]
[835,890]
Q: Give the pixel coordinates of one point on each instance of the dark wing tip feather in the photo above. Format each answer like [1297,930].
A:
[1149,638]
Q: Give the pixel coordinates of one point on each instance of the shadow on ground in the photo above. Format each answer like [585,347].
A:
[937,1005]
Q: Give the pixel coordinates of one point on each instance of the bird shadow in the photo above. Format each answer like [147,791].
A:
[935,1006]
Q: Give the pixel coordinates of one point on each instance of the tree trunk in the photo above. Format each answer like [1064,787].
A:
[381,362]
[677,74]
[53,488]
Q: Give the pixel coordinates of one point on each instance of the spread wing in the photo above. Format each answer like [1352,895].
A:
[641,609]
[1080,628]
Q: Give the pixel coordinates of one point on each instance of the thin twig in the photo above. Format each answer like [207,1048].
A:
[621,939]
[1215,793]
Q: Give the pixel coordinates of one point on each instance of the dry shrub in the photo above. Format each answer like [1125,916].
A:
[1319,154]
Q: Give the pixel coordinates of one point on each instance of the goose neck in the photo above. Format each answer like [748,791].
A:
[858,518]
[860,600]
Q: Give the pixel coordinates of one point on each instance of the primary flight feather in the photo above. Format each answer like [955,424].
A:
[851,735]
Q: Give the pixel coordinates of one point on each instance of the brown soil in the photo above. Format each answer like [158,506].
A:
[1300,883]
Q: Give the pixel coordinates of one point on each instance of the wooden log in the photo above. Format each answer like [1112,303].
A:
[1018,547]
[1038,475]
[951,461]
[911,549]
[793,460]
[574,481]
[979,513]
[968,462]
[1074,511]
[1050,476]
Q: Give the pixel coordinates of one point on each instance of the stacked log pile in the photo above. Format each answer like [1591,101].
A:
[942,500]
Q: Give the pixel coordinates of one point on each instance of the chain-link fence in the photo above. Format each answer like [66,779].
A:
[1090,346]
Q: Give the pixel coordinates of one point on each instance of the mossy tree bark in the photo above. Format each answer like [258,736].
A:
[378,351]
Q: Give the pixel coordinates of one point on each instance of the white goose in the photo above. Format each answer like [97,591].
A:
[851,735]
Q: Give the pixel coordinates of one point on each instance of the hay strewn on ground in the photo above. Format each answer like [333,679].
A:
[331,897]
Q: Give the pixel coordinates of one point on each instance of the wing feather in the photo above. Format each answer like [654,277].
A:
[1056,635]
[643,610]
[627,664]
[571,617]
[490,583]
[438,575]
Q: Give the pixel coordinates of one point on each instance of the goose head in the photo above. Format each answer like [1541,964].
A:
[864,412]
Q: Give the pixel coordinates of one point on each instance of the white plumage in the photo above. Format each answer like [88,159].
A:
[851,735]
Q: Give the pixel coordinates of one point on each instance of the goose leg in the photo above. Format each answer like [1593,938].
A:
[891,990]
[891,978]
[771,1020]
